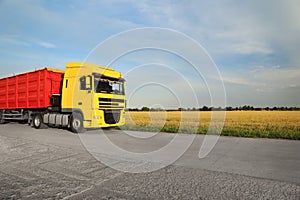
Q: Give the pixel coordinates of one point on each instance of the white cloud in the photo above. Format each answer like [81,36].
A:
[233,27]
[236,80]
[80,25]
[12,40]
[23,41]
[273,79]
[249,47]
[263,86]
[46,44]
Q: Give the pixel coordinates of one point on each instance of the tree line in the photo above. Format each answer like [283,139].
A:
[228,108]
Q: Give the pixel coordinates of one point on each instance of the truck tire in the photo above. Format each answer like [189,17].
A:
[77,123]
[2,121]
[38,122]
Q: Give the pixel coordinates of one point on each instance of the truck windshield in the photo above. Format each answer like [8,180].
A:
[110,86]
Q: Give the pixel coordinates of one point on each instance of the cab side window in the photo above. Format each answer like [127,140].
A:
[86,83]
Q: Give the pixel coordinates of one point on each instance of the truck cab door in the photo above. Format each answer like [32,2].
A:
[85,98]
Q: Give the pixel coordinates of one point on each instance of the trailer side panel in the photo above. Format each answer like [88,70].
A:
[30,90]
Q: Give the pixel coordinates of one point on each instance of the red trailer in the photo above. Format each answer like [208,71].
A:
[32,90]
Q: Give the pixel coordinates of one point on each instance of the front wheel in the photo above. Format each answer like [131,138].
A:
[77,123]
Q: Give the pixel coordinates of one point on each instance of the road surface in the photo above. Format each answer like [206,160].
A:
[54,164]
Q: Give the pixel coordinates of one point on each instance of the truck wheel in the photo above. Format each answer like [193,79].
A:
[2,121]
[38,122]
[77,123]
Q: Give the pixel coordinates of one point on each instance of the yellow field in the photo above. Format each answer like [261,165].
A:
[271,124]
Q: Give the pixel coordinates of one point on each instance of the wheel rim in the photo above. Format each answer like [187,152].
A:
[37,121]
[76,124]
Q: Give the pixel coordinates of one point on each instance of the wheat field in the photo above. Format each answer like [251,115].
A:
[266,124]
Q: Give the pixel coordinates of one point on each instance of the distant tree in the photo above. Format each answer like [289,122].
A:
[145,109]
[267,108]
[133,109]
[229,108]
[281,108]
[160,109]
[205,108]
[245,107]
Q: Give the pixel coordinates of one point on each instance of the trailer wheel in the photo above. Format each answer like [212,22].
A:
[2,121]
[38,122]
[77,123]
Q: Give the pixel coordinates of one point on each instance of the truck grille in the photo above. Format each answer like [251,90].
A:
[111,103]
[112,116]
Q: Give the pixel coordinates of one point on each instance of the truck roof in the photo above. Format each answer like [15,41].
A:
[82,64]
[87,68]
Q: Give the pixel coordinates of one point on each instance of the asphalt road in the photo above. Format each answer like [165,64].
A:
[54,164]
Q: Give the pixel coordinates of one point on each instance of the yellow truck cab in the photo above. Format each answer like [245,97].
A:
[95,96]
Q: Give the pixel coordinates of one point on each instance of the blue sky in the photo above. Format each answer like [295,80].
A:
[254,44]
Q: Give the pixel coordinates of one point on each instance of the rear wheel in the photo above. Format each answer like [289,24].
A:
[77,123]
[2,121]
[38,122]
